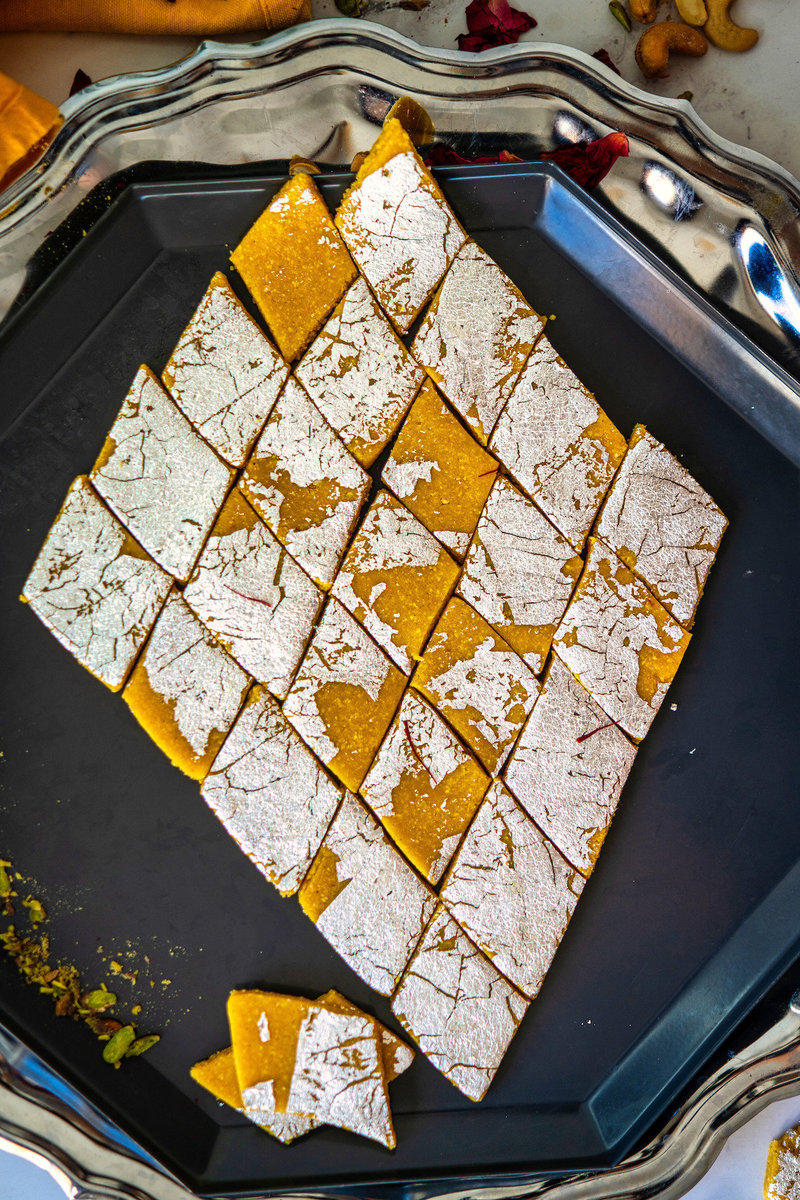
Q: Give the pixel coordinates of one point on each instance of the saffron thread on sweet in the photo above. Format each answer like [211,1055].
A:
[492,471]
[600,728]
[417,754]
[244,596]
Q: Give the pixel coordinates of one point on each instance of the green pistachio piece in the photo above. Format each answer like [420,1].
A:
[117,1047]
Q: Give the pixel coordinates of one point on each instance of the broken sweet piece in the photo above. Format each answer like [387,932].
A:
[398,226]
[395,579]
[94,587]
[619,641]
[360,375]
[424,787]
[294,264]
[511,891]
[270,793]
[365,899]
[662,524]
[344,696]
[217,1075]
[185,690]
[476,337]
[224,374]
[163,482]
[458,1007]
[782,1176]
[303,482]
[253,596]
[557,443]
[477,682]
[569,767]
[439,472]
[397,1056]
[519,573]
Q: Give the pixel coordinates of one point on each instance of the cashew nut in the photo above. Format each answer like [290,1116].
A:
[643,11]
[654,46]
[720,29]
[693,12]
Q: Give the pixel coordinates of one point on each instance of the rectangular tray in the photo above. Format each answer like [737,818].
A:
[694,908]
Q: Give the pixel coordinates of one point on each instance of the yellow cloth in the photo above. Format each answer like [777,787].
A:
[206,18]
[27,123]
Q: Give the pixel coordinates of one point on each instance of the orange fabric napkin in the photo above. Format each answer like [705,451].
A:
[27,123]
[206,18]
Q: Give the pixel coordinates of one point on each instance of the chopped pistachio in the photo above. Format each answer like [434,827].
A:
[142,1045]
[36,910]
[119,1044]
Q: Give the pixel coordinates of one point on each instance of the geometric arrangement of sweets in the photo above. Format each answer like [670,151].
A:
[397,593]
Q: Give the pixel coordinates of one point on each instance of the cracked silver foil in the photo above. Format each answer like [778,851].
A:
[160,478]
[96,592]
[422,753]
[486,695]
[254,598]
[224,374]
[458,1008]
[284,1126]
[476,338]
[390,537]
[612,622]
[359,375]
[298,450]
[338,1074]
[270,793]
[376,919]
[663,524]
[512,891]
[782,1180]
[569,767]
[190,672]
[545,439]
[514,573]
[402,235]
[397,1056]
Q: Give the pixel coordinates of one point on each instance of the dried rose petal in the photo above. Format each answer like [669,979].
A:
[493,23]
[589,162]
[446,156]
[80,81]
[604,57]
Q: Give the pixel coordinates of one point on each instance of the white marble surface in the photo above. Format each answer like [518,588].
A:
[747,98]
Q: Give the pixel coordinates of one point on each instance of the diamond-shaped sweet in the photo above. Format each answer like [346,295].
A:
[344,695]
[519,573]
[294,264]
[458,1007]
[439,471]
[395,579]
[94,587]
[252,595]
[398,226]
[224,374]
[511,891]
[619,641]
[303,482]
[557,443]
[365,899]
[569,767]
[270,793]
[360,375]
[164,483]
[477,682]
[476,337]
[662,524]
[424,787]
[185,690]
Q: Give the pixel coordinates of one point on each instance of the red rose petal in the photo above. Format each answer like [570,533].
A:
[604,57]
[446,156]
[493,23]
[589,162]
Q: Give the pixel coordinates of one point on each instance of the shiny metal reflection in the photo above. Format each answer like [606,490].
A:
[673,194]
[774,290]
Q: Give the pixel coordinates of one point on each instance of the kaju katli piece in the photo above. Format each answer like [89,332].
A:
[569,767]
[294,264]
[398,226]
[94,587]
[782,1174]
[360,375]
[252,595]
[217,1075]
[439,471]
[224,374]
[159,477]
[519,573]
[619,641]
[511,891]
[270,793]
[662,524]
[395,579]
[476,337]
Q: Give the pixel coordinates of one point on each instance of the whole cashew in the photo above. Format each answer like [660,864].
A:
[693,12]
[655,44]
[643,11]
[720,29]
